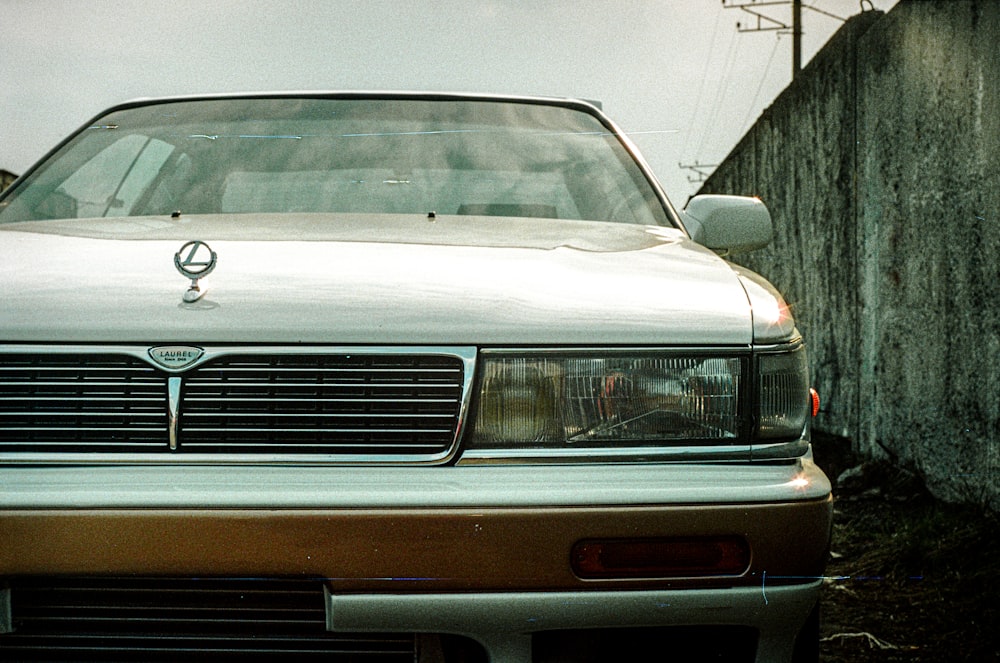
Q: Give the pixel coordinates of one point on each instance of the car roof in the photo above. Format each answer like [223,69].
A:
[587,105]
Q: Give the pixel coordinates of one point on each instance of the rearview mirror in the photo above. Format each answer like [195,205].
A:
[728,224]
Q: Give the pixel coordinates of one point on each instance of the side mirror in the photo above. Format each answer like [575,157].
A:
[728,224]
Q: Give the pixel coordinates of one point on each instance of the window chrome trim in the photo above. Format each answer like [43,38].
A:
[466,354]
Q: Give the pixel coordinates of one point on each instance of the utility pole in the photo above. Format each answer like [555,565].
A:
[796,37]
[701,171]
[765,22]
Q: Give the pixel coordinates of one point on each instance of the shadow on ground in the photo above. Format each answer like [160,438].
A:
[910,578]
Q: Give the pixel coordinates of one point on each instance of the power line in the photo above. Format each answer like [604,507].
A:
[723,88]
[765,21]
[760,85]
[826,13]
[701,86]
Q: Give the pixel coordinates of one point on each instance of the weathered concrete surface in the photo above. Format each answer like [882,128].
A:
[881,166]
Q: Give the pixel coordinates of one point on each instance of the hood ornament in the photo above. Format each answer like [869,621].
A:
[195,260]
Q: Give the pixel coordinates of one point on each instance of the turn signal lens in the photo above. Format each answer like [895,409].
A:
[661,558]
[783,390]
[814,396]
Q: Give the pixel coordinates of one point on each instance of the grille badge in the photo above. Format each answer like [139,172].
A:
[175,357]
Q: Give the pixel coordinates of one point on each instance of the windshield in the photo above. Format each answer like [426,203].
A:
[321,155]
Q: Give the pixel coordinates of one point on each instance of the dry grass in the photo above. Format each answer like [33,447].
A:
[910,579]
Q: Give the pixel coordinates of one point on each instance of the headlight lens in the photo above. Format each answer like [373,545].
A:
[558,400]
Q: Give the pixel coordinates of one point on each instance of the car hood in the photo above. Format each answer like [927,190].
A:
[336,279]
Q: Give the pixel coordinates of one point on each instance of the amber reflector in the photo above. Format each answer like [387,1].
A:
[661,558]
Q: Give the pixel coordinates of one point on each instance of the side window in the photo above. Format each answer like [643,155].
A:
[116,177]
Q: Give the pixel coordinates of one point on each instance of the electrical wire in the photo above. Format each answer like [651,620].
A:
[760,86]
[701,86]
[721,91]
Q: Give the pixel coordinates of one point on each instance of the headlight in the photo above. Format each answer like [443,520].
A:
[557,400]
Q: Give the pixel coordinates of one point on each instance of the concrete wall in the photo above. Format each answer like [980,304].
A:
[881,166]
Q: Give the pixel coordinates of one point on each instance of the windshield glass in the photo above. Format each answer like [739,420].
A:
[398,156]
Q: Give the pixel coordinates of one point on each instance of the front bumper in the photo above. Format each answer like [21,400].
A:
[505,622]
[480,551]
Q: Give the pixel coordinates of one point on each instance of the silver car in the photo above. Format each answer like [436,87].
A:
[394,377]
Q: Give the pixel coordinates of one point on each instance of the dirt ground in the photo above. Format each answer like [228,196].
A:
[910,578]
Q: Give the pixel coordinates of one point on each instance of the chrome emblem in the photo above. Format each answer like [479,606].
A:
[175,357]
[195,260]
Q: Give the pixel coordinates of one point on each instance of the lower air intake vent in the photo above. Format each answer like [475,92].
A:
[157,619]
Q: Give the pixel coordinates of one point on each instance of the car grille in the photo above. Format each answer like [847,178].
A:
[368,404]
[65,402]
[165,619]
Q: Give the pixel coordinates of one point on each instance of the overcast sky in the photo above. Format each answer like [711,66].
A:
[676,74]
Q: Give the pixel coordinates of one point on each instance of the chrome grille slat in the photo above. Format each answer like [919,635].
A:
[328,415]
[402,403]
[365,372]
[92,399]
[306,447]
[411,401]
[310,385]
[58,413]
[81,430]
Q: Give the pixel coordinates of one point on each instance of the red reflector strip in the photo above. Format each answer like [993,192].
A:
[814,396]
[661,558]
